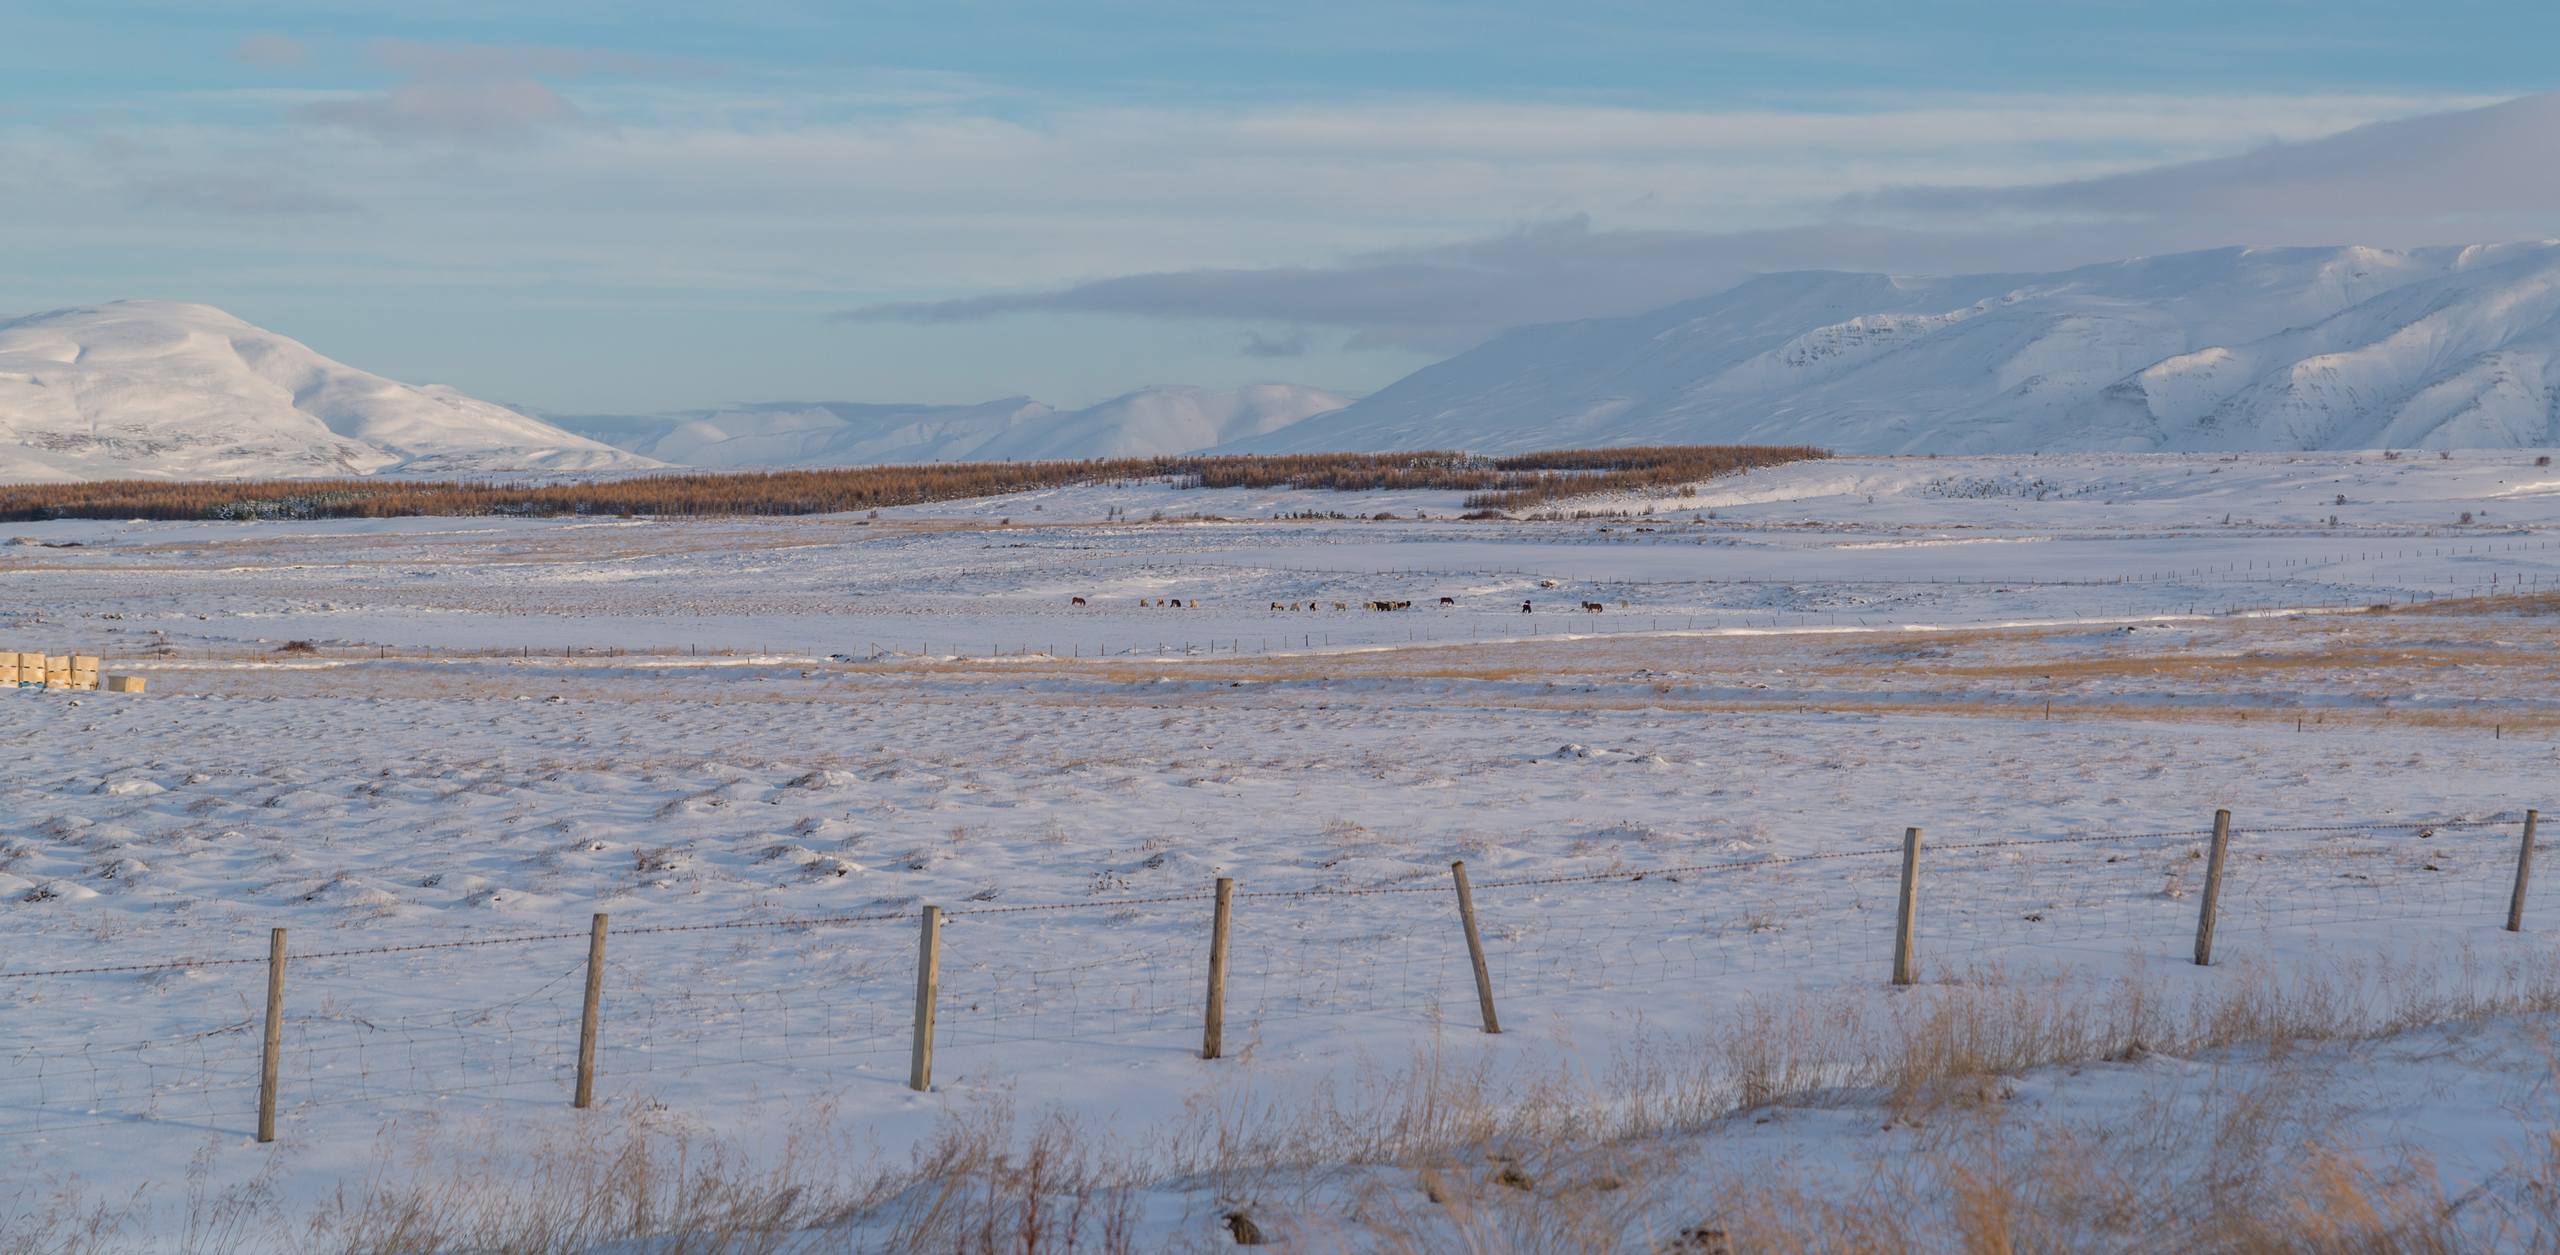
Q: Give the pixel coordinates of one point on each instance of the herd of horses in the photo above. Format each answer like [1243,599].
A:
[1295,607]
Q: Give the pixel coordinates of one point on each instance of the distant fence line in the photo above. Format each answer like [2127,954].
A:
[1422,945]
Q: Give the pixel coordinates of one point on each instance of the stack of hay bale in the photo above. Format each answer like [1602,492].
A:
[75,672]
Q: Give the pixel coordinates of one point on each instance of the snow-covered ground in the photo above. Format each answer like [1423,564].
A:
[845,719]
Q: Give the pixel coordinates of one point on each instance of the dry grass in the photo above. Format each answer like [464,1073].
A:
[1439,1156]
[1501,483]
[2531,605]
[1636,1165]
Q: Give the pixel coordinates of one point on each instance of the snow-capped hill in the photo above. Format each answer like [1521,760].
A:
[1147,423]
[2229,349]
[1157,421]
[159,389]
[798,433]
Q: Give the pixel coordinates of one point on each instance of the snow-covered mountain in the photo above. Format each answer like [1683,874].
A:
[154,389]
[2327,348]
[809,433]
[1145,423]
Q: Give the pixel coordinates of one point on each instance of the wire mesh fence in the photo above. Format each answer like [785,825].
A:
[393,1027]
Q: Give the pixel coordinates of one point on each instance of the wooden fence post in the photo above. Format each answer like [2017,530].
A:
[928,983]
[1213,1023]
[273,1054]
[2212,904]
[1910,907]
[2524,873]
[1475,947]
[589,1024]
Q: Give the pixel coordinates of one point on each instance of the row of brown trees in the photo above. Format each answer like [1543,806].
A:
[1518,483]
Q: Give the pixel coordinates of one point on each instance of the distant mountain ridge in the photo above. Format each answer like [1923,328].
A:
[1146,423]
[158,389]
[2233,349]
[166,390]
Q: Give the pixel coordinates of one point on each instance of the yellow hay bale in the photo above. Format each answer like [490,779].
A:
[124,684]
[84,662]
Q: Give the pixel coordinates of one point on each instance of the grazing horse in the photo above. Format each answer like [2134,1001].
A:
[1593,606]
[1075,601]
[1448,601]
[1524,608]
[1342,605]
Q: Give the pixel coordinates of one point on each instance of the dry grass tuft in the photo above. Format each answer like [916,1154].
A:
[1444,1155]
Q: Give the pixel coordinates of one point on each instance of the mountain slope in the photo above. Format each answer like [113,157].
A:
[1146,423]
[2230,349]
[164,390]
[1156,421]
[809,433]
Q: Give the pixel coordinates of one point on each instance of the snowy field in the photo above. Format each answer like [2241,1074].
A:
[762,746]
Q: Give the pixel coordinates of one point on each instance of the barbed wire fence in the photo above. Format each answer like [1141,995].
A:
[1133,975]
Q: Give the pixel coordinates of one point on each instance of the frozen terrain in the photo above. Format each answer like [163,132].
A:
[2265,349]
[160,390]
[760,746]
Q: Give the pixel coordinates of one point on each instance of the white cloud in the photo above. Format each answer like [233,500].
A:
[1417,223]
[249,193]
[271,50]
[471,112]
[2498,158]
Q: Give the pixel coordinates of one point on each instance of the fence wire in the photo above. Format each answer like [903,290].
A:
[396,1027]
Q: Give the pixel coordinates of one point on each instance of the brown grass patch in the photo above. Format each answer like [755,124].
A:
[1499,483]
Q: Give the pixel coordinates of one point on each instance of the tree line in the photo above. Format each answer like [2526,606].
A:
[1502,484]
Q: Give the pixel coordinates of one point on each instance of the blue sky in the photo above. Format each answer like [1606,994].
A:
[632,207]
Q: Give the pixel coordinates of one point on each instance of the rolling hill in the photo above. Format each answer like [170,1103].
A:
[154,389]
[1145,423]
[2234,349]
